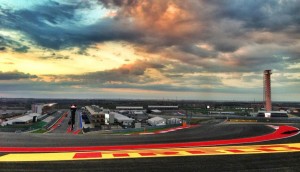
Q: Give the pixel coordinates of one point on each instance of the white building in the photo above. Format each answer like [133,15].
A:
[138,112]
[174,121]
[129,107]
[162,107]
[156,111]
[156,121]
[124,120]
[41,108]
[33,117]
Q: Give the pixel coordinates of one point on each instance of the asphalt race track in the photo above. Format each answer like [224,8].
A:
[171,151]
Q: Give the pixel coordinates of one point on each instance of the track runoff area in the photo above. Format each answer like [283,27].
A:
[202,148]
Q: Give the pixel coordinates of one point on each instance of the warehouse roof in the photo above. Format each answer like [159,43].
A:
[120,117]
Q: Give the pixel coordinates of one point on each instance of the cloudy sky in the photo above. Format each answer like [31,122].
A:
[149,49]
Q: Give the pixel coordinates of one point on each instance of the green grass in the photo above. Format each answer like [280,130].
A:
[25,127]
[38,124]
[197,121]
[41,130]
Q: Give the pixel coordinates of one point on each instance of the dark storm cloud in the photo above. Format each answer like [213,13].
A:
[198,23]
[117,3]
[43,24]
[35,86]
[40,23]
[197,51]
[108,30]
[22,49]
[273,15]
[15,75]
[226,26]
[16,45]
[226,45]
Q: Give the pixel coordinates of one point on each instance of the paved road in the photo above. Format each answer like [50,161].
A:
[63,127]
[201,133]
[255,162]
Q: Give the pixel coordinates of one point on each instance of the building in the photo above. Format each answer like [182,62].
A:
[99,116]
[156,121]
[220,113]
[174,121]
[42,108]
[129,108]
[272,114]
[26,119]
[155,111]
[162,107]
[138,113]
[122,119]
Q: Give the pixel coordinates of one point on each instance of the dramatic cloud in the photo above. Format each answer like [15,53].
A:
[132,73]
[15,75]
[180,46]
[56,26]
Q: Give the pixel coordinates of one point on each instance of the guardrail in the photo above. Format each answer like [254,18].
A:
[145,129]
[260,119]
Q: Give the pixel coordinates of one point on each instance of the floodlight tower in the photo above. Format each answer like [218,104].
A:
[267,90]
